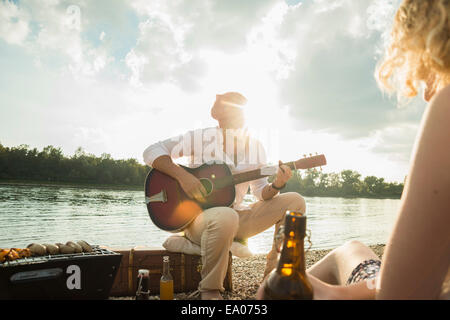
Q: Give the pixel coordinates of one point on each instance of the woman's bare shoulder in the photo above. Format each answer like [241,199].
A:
[437,117]
[441,101]
[431,159]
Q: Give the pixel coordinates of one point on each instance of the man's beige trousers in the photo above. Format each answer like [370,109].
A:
[215,228]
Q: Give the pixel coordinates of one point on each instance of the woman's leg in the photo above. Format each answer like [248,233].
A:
[337,265]
[329,275]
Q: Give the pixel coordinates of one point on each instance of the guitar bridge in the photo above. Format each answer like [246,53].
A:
[159,197]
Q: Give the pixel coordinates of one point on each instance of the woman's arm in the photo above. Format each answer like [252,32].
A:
[417,254]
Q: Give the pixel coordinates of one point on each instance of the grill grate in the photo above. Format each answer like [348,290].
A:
[96,251]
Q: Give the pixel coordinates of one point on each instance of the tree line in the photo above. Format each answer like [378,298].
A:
[51,165]
[347,183]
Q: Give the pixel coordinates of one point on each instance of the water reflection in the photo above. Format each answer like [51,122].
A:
[119,218]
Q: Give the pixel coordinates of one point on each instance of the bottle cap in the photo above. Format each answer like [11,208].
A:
[295,221]
[143,272]
[166,258]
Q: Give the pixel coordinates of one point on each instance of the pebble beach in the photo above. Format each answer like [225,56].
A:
[247,274]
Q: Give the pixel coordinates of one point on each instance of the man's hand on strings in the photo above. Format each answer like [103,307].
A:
[284,173]
[192,187]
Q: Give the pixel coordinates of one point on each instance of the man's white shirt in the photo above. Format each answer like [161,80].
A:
[206,145]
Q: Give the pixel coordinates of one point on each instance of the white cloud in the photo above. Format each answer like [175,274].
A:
[275,55]
[331,85]
[214,24]
[395,142]
[380,14]
[175,36]
[379,19]
[125,73]
[136,64]
[93,137]
[56,37]
[14,27]
[158,52]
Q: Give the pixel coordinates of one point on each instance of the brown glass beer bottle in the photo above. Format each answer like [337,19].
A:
[289,281]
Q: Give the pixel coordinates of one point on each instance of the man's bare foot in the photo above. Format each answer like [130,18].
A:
[211,295]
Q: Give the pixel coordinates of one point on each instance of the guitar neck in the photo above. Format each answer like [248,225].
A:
[258,173]
[247,176]
[306,163]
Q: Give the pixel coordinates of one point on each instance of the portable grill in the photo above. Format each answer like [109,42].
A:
[86,275]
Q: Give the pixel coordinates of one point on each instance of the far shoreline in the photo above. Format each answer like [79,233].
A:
[70,185]
[75,185]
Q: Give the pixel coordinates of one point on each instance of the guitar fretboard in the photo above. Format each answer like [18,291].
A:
[242,177]
[258,173]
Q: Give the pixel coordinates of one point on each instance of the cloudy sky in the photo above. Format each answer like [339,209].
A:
[116,76]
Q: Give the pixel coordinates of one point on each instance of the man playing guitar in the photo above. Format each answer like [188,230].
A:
[215,228]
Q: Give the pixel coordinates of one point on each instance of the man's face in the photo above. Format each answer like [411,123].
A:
[230,117]
[235,121]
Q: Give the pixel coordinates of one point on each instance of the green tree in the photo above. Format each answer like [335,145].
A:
[351,183]
[50,164]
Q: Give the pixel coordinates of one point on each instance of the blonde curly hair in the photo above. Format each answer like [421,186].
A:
[419,48]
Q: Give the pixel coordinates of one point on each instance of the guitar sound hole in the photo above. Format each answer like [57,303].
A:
[207,184]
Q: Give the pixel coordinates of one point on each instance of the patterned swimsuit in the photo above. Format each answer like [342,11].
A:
[367,269]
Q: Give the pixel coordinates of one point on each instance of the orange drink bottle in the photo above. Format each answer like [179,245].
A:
[166,282]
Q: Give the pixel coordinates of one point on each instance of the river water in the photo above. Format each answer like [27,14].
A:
[118,218]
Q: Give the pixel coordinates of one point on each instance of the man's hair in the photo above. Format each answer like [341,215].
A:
[232,98]
[227,100]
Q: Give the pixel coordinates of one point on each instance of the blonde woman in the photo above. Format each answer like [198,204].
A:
[416,261]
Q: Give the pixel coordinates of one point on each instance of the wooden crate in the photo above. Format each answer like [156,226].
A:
[184,268]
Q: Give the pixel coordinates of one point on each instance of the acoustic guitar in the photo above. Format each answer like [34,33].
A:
[171,209]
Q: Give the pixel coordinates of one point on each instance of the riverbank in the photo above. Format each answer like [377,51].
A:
[247,275]
[70,185]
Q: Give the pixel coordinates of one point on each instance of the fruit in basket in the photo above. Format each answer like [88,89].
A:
[65,249]
[85,246]
[37,249]
[51,248]
[75,246]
